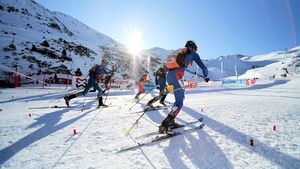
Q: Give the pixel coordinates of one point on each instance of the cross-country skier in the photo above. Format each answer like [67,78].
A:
[160,81]
[175,71]
[96,74]
[143,78]
[107,80]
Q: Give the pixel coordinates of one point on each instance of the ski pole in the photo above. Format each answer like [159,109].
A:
[73,92]
[112,74]
[194,73]
[141,98]
[128,130]
[169,88]
[107,93]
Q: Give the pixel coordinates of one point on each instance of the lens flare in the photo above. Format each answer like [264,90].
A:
[134,42]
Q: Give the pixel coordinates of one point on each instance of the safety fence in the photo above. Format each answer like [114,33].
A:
[78,82]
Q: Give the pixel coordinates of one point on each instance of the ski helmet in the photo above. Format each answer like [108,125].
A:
[191,45]
[105,61]
[161,69]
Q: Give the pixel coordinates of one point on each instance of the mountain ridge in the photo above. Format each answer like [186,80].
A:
[35,39]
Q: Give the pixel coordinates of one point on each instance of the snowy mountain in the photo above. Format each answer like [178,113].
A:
[34,38]
[159,53]
[267,64]
[273,64]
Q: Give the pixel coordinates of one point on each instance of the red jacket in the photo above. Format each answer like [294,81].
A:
[144,78]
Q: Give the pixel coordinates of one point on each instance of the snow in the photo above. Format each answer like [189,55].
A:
[232,117]
[252,74]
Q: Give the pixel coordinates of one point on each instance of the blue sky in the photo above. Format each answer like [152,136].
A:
[218,27]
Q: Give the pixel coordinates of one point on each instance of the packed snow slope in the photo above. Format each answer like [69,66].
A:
[232,117]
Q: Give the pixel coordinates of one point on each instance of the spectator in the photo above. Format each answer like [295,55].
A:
[78,72]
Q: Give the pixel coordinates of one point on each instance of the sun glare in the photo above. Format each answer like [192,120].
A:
[134,42]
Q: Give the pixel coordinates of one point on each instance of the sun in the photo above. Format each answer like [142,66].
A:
[134,42]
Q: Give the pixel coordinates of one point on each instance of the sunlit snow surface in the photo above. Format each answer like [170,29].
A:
[232,117]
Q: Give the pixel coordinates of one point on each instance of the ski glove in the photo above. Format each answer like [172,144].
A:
[206,79]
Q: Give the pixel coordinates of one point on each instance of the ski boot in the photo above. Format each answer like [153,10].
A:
[150,103]
[174,125]
[164,127]
[137,96]
[68,98]
[101,104]
[163,103]
[162,100]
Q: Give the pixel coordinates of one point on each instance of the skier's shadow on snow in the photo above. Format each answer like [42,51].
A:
[38,97]
[206,156]
[154,116]
[121,93]
[55,95]
[197,151]
[49,122]
[201,150]
[174,151]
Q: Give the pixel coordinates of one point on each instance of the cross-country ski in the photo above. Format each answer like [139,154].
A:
[160,137]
